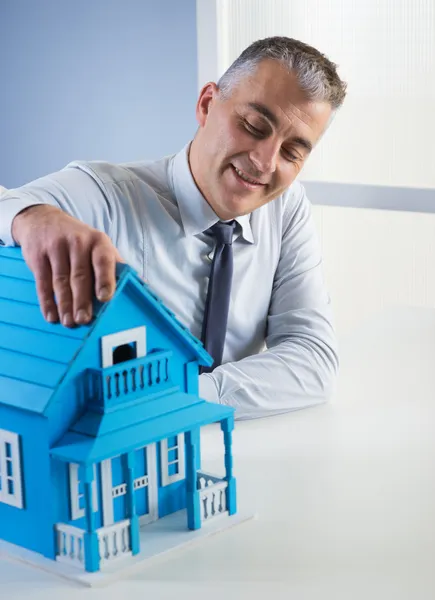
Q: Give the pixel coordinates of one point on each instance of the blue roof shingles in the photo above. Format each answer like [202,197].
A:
[34,354]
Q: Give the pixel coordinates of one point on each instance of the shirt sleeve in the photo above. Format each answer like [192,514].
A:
[73,190]
[298,368]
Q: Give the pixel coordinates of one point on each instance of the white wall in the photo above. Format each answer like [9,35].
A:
[374,259]
[385,133]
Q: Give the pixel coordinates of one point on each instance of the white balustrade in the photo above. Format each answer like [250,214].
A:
[114,541]
[138,375]
[212,495]
[70,545]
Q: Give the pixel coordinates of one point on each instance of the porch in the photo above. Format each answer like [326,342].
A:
[115,541]
[206,496]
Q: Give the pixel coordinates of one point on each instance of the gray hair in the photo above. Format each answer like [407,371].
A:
[317,75]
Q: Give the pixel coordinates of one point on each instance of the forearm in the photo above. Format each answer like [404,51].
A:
[70,190]
[297,372]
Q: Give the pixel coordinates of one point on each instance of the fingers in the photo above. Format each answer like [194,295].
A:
[74,267]
[81,280]
[60,267]
[66,257]
[44,288]
[104,258]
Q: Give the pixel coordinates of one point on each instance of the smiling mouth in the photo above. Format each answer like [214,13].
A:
[247,179]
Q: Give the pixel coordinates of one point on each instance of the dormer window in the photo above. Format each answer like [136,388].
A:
[124,352]
[123,346]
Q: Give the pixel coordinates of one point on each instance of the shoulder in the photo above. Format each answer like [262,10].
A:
[149,174]
[296,205]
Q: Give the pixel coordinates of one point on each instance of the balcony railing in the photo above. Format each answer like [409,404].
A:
[114,542]
[212,495]
[70,545]
[105,388]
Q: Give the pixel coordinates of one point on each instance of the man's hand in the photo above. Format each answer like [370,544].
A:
[67,258]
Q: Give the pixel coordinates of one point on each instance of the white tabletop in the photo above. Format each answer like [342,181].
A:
[344,492]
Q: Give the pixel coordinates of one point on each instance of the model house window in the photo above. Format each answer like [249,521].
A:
[172,459]
[77,492]
[122,346]
[10,469]
[124,352]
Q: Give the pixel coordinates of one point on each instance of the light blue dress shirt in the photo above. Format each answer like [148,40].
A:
[280,352]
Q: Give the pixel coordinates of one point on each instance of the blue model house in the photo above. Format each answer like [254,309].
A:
[99,425]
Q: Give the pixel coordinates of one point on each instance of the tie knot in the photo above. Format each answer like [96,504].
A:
[223,232]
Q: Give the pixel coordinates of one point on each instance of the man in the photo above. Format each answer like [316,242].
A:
[257,127]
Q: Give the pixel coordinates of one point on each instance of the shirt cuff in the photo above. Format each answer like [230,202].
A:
[9,208]
[208,389]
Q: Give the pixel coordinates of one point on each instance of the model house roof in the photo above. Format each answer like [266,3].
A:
[137,430]
[35,355]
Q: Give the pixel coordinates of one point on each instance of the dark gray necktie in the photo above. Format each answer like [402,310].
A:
[214,326]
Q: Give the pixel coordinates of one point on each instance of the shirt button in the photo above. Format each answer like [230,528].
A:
[209,257]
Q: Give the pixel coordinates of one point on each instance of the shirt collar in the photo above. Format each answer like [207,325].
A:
[196,214]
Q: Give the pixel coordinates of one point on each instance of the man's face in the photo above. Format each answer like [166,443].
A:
[252,145]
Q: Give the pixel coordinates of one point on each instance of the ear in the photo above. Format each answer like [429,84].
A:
[205,101]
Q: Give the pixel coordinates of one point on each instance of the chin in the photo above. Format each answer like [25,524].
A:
[236,207]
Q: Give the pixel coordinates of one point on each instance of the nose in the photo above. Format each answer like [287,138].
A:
[265,155]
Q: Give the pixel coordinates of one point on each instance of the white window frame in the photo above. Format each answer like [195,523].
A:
[76,511]
[109,342]
[165,462]
[15,499]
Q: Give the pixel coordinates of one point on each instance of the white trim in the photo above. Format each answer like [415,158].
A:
[106,492]
[140,482]
[109,342]
[165,449]
[16,498]
[153,502]
[76,511]
[119,490]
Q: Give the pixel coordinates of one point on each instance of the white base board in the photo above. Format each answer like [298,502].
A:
[158,540]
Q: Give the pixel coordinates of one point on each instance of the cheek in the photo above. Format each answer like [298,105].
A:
[283,179]
[227,138]
[233,139]
[286,174]
[219,137]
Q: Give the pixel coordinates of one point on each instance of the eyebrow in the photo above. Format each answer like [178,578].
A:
[270,116]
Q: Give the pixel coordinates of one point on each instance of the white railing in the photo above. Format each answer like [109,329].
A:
[111,386]
[114,541]
[212,496]
[70,545]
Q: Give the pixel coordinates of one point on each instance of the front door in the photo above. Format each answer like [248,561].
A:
[145,495]
[114,487]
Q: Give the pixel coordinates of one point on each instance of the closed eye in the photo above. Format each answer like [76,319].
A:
[259,134]
[253,130]
[289,155]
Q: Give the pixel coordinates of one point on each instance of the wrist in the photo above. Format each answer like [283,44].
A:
[24,216]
